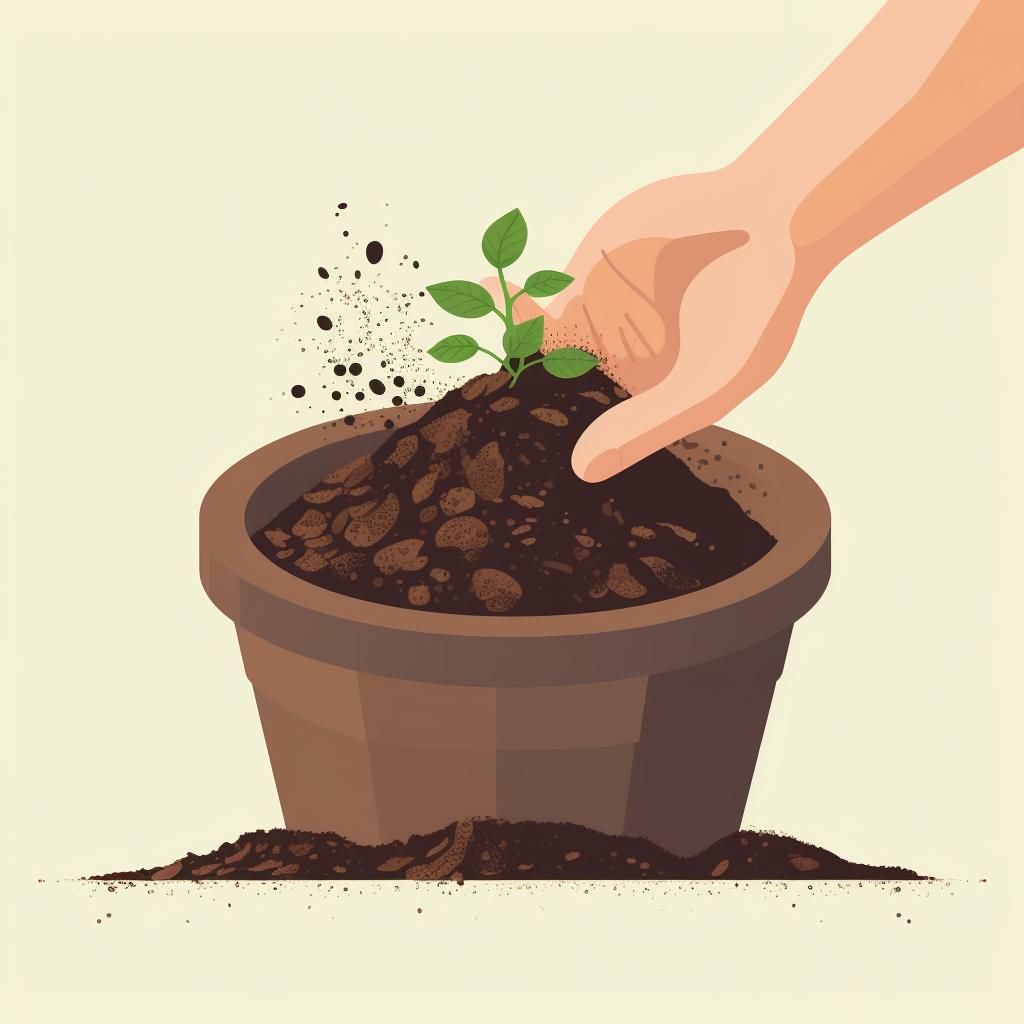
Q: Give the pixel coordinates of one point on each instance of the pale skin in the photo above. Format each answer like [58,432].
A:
[692,288]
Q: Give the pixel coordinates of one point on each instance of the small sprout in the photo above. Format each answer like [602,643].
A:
[503,243]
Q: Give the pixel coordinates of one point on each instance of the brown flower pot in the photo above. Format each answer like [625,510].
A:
[382,722]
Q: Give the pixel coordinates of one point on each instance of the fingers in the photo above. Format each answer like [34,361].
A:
[729,348]
[524,308]
[629,432]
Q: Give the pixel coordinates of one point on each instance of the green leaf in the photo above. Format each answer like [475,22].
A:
[456,348]
[505,240]
[546,282]
[522,340]
[463,298]
[569,362]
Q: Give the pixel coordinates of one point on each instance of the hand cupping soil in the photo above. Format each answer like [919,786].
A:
[475,509]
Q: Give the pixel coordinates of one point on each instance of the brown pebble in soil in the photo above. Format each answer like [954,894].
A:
[804,863]
[423,488]
[665,573]
[483,848]
[555,417]
[340,520]
[352,473]
[485,472]
[403,554]
[622,582]
[163,874]
[395,864]
[367,530]
[311,561]
[348,562]
[527,501]
[558,567]
[466,533]
[499,591]
[448,431]
[311,524]
[680,531]
[473,389]
[357,511]
[322,497]
[457,500]
[405,448]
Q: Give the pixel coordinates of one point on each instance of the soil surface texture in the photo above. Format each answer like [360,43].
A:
[475,509]
[487,848]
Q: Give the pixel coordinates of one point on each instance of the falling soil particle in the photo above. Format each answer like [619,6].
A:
[484,480]
[487,848]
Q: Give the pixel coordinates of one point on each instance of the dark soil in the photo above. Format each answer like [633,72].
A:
[475,508]
[486,848]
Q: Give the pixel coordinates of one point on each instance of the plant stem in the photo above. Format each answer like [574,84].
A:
[507,362]
[494,355]
[508,298]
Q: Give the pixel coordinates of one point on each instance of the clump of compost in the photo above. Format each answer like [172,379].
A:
[475,509]
[489,848]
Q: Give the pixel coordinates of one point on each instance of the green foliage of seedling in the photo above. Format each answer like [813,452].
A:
[463,298]
[522,340]
[569,362]
[456,348]
[542,283]
[503,243]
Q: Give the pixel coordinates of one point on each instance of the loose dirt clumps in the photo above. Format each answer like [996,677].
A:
[488,848]
[475,509]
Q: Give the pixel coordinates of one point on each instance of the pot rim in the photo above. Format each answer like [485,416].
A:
[794,510]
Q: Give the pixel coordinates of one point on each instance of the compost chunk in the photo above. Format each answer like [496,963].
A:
[475,509]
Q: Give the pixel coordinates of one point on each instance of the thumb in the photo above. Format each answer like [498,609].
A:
[524,308]
[640,426]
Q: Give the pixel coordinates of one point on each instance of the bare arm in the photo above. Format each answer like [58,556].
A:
[928,94]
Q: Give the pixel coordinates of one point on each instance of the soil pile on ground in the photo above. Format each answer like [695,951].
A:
[487,848]
[475,509]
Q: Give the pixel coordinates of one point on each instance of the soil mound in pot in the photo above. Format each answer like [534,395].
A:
[475,509]
[487,848]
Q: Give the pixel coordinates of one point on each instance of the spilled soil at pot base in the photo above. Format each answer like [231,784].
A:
[487,848]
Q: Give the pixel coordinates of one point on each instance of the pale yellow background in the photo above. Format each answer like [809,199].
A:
[172,174]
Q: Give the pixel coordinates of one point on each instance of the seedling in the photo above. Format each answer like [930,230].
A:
[503,243]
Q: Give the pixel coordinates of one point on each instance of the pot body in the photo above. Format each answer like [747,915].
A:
[668,756]
[381,722]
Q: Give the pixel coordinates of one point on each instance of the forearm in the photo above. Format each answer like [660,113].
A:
[927,95]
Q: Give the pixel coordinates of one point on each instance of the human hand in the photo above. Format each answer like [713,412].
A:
[689,292]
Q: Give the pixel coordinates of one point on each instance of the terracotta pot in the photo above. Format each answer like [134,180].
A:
[382,722]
